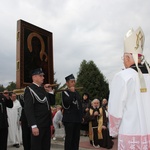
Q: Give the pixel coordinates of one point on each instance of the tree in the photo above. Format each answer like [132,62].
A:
[92,80]
[57,89]
[1,88]
[11,86]
[58,94]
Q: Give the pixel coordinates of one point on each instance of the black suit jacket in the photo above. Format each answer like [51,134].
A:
[38,113]
[3,112]
[72,111]
[23,118]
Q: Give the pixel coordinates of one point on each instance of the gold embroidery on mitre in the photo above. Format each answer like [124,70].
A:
[139,40]
[143,90]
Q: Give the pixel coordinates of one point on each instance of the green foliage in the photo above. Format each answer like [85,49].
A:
[92,80]
[11,86]
[58,97]
[1,88]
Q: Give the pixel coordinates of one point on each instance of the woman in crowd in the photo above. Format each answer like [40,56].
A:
[86,103]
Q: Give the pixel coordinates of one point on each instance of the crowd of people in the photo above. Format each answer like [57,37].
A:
[34,121]
[13,117]
[34,118]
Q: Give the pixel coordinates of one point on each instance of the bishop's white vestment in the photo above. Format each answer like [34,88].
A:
[129,111]
[14,129]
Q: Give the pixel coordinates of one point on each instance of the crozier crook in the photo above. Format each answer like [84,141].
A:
[29,43]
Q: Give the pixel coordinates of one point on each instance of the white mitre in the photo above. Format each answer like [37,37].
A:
[134,43]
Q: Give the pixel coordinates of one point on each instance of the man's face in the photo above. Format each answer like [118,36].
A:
[85,97]
[13,97]
[104,101]
[70,83]
[38,79]
[6,93]
[126,60]
[95,104]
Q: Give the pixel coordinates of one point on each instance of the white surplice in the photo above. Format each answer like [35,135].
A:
[14,129]
[129,111]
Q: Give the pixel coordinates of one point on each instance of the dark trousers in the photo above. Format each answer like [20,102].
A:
[26,136]
[72,138]
[41,142]
[3,138]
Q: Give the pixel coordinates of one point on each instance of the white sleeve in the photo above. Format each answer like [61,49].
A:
[116,103]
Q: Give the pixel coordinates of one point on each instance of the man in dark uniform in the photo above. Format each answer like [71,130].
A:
[72,115]
[5,101]
[37,110]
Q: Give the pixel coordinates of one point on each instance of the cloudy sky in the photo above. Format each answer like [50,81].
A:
[82,30]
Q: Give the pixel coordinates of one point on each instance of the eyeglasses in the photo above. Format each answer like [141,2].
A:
[47,86]
[6,93]
[125,54]
[41,75]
